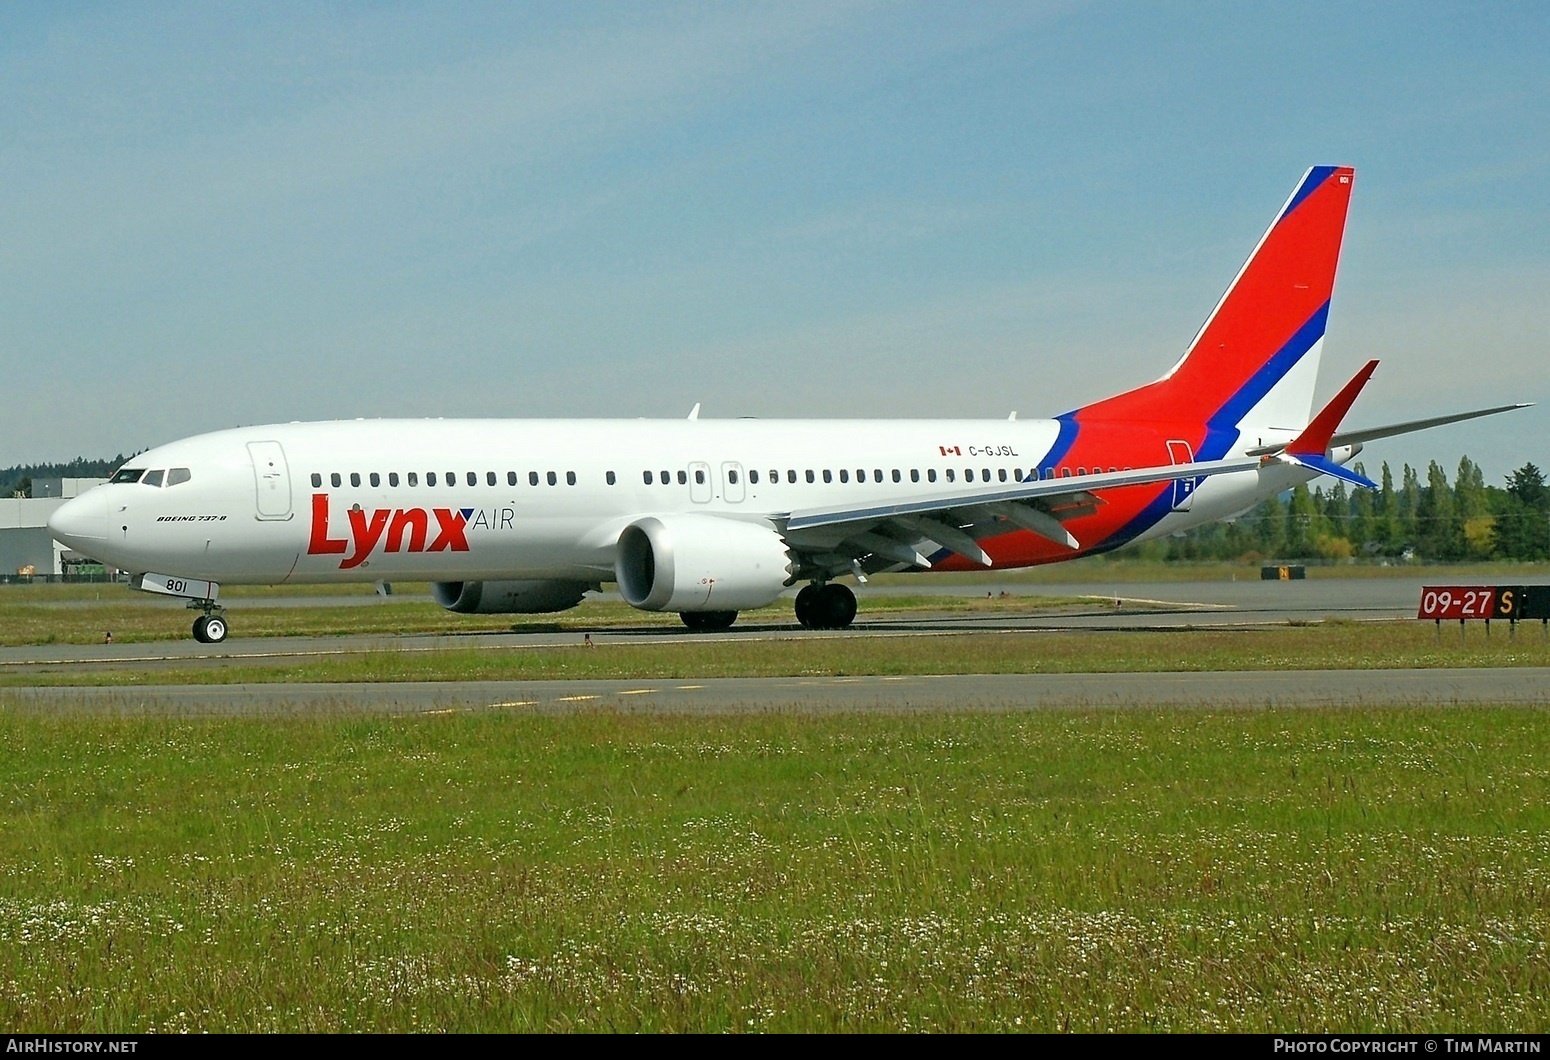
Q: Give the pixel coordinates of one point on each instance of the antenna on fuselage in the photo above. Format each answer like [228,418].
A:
[694,413]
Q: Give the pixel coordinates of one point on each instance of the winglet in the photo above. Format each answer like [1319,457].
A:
[1310,449]
[1314,440]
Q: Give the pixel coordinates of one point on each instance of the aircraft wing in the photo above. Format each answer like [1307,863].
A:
[894,536]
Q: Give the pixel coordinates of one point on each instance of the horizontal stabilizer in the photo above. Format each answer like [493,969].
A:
[1374,433]
[1324,465]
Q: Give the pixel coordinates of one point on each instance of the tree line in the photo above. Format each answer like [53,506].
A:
[1430,519]
[16,481]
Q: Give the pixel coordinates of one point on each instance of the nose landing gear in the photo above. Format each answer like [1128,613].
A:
[210,627]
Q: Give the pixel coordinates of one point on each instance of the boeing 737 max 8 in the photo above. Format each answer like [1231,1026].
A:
[708,518]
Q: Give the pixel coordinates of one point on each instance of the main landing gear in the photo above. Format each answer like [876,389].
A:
[708,621]
[210,627]
[826,606]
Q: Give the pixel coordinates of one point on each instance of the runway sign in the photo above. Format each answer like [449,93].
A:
[1506,603]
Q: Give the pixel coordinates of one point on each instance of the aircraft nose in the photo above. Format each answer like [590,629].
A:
[82,522]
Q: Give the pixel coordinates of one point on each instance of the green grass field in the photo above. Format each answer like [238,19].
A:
[1313,870]
[73,614]
[1323,645]
[83,613]
[1256,870]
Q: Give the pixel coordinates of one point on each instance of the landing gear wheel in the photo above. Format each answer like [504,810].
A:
[708,621]
[804,605]
[209,629]
[830,606]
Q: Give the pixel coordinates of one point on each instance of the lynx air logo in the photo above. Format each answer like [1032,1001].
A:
[396,530]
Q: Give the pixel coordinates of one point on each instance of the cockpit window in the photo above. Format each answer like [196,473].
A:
[127,474]
[153,478]
[177,475]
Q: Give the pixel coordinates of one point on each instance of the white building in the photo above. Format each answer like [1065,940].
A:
[24,538]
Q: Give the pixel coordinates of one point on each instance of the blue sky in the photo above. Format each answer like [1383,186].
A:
[217,214]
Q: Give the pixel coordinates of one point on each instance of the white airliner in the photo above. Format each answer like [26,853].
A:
[709,518]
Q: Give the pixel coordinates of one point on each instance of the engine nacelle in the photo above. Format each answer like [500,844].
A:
[700,563]
[508,598]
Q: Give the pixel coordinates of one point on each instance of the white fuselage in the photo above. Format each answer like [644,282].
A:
[446,500]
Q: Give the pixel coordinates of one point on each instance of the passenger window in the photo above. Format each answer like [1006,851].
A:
[860,474]
[775,477]
[552,478]
[376,479]
[611,479]
[1065,472]
[511,478]
[570,478]
[930,474]
[393,479]
[489,478]
[335,479]
[914,474]
[810,476]
[877,474]
[683,477]
[791,475]
[452,478]
[827,476]
[317,481]
[414,478]
[532,478]
[646,477]
[968,474]
[753,478]
[950,475]
[844,475]
[985,475]
[153,478]
[699,477]
[430,478]
[732,477]
[896,476]
[473,478]
[355,478]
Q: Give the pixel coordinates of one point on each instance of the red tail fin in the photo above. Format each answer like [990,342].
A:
[1254,362]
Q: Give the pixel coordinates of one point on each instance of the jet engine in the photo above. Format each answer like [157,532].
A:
[509,598]
[700,563]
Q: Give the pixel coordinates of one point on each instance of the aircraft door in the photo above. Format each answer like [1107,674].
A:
[700,486]
[272,479]
[1179,452]
[732,482]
